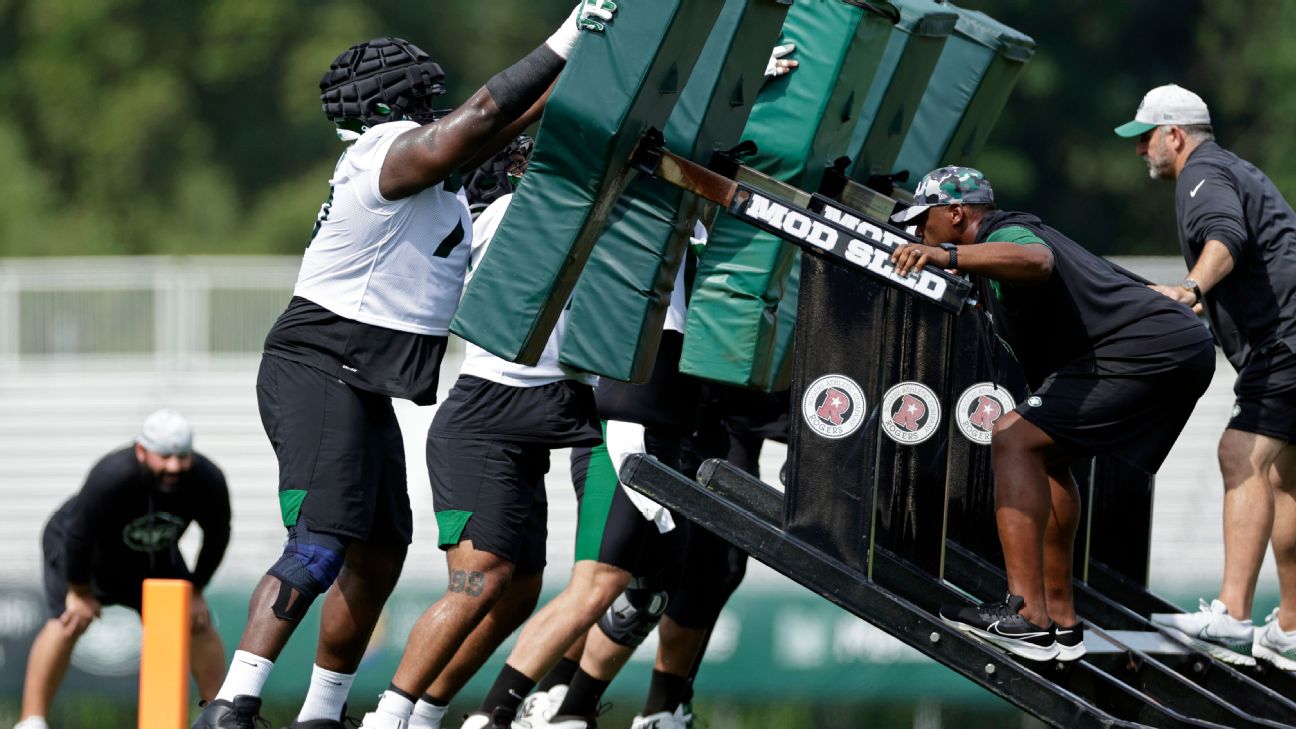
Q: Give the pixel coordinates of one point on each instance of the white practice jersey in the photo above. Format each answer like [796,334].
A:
[393,264]
[480,363]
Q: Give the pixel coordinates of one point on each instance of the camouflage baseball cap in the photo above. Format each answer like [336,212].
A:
[946,186]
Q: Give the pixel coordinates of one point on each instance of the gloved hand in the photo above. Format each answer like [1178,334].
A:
[587,15]
[594,14]
[778,65]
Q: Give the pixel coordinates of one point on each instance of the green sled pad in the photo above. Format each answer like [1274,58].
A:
[619,306]
[801,122]
[616,85]
[907,64]
[975,74]
[785,332]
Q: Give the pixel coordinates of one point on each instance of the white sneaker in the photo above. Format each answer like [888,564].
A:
[1213,630]
[1274,645]
[383,720]
[476,720]
[660,720]
[36,722]
[539,707]
[684,713]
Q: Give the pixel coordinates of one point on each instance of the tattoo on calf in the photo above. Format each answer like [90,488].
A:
[469,583]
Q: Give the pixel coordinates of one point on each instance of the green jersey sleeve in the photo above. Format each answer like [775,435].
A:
[1018,234]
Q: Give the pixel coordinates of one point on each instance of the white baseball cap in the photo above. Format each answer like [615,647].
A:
[1169,104]
[166,433]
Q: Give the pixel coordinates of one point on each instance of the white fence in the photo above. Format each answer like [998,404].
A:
[89,346]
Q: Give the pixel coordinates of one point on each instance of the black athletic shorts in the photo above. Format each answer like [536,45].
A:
[492,493]
[109,588]
[341,456]
[1136,418]
[1266,394]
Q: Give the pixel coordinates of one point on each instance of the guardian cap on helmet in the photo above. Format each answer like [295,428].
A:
[382,80]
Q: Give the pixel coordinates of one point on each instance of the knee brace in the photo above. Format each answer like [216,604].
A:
[307,568]
[634,613]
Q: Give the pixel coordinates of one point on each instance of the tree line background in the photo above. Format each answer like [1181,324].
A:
[164,127]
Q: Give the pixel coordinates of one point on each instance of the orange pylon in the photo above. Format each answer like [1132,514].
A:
[164,656]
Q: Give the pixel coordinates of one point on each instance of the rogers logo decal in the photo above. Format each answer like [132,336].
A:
[833,406]
[979,408]
[911,413]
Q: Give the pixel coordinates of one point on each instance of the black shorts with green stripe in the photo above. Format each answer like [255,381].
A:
[340,451]
[487,454]
[492,493]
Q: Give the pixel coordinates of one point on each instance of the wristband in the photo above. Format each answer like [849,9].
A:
[953,254]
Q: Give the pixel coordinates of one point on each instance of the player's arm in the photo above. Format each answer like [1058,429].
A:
[84,531]
[423,157]
[214,521]
[1212,212]
[1016,262]
[82,535]
[511,132]
[1215,262]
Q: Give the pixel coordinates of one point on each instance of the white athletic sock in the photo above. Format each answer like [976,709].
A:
[427,715]
[247,675]
[396,705]
[326,696]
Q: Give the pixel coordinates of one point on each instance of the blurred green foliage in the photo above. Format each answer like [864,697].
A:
[143,126]
[151,126]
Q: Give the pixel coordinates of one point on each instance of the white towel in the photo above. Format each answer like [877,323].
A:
[624,439]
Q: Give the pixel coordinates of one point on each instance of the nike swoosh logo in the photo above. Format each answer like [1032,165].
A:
[1193,192]
[994,628]
[335,683]
[250,663]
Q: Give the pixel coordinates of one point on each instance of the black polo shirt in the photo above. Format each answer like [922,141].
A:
[1220,196]
[1088,310]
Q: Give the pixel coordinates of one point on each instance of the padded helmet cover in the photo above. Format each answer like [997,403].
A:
[388,72]
[492,180]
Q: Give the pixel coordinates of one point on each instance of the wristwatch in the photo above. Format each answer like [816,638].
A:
[1191,285]
[953,253]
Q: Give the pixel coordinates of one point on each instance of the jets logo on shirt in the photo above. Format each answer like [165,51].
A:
[833,406]
[152,532]
[910,413]
[979,408]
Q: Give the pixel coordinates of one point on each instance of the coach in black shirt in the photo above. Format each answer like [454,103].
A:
[1113,368]
[1238,237]
[123,527]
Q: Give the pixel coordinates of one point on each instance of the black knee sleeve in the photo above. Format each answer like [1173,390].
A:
[633,614]
[310,563]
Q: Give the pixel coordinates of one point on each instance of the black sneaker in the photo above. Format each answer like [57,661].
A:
[241,713]
[1000,623]
[1070,641]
